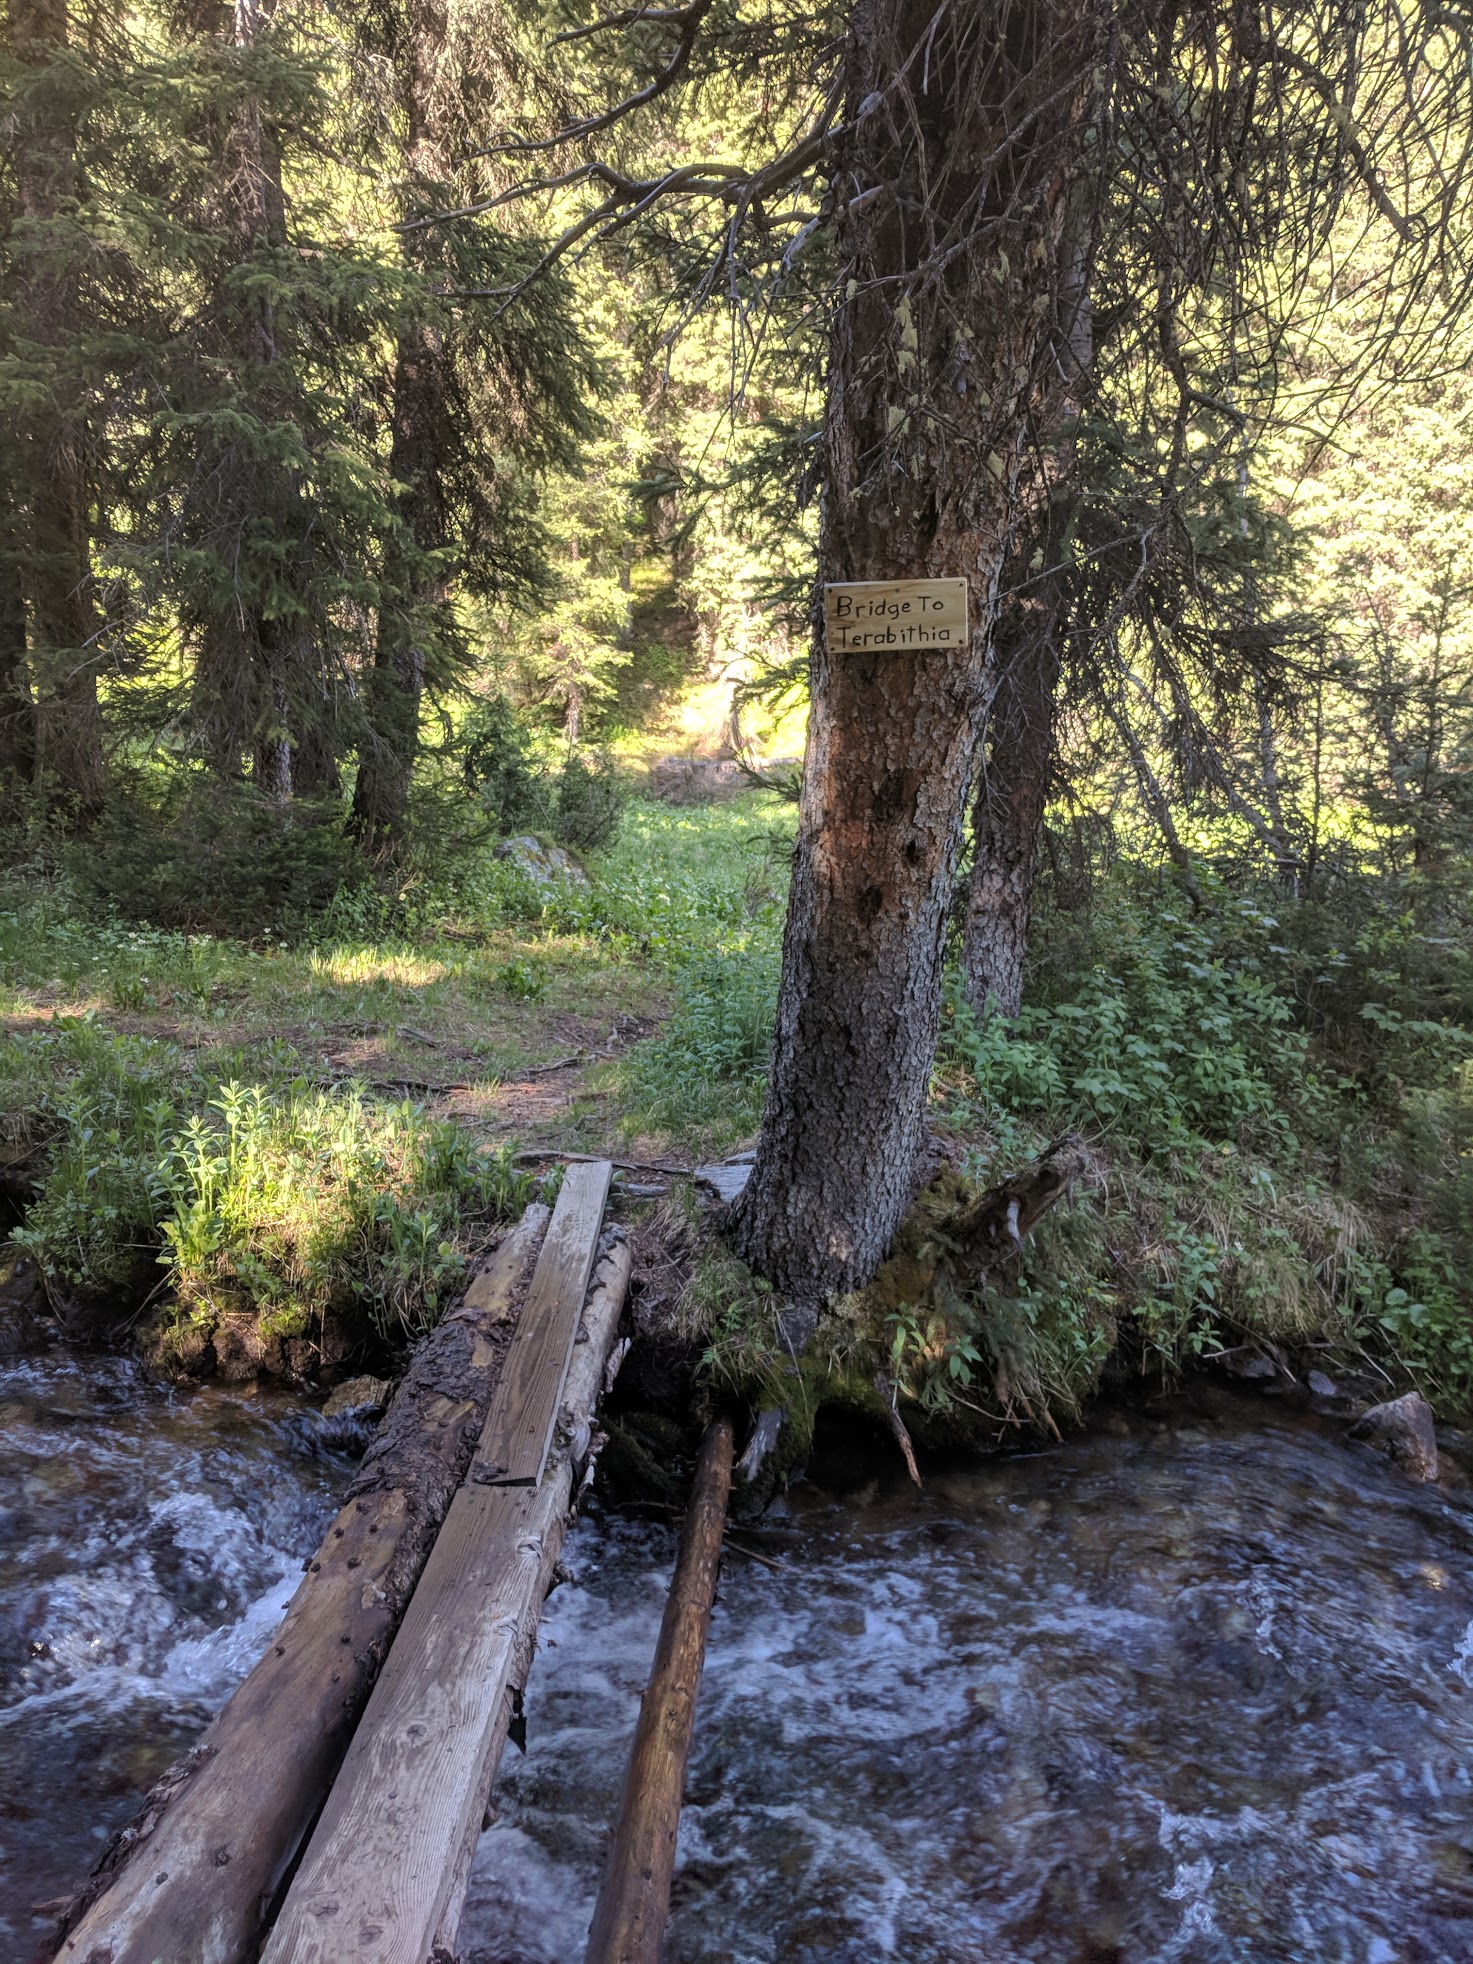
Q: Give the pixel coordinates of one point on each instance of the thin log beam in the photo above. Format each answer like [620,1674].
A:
[634,1900]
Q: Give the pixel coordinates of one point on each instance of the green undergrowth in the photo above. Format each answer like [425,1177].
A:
[1279,1132]
[1276,1114]
[1275,1103]
[170,1095]
[296,1203]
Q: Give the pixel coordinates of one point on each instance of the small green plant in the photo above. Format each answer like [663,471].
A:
[526,981]
[709,1065]
[272,1196]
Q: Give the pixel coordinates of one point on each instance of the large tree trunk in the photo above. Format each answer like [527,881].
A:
[396,684]
[55,447]
[951,192]
[17,711]
[257,685]
[1012,789]
[1016,756]
[414,578]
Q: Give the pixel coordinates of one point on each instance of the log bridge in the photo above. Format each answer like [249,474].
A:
[330,1813]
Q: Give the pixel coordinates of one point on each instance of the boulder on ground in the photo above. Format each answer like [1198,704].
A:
[1405,1431]
[545,864]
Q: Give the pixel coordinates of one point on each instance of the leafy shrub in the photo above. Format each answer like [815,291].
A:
[296,1204]
[273,1196]
[527,981]
[1176,1040]
[709,1064]
[186,851]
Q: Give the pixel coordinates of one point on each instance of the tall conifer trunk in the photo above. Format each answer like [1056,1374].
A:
[951,192]
[258,663]
[1007,822]
[65,735]
[414,579]
[1017,752]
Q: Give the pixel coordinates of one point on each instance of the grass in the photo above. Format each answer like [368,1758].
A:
[1278,1113]
[323,1129]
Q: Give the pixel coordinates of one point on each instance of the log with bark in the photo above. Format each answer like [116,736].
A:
[634,1900]
[192,1877]
[384,1877]
[995,1225]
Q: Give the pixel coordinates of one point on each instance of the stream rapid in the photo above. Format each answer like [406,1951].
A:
[1189,1690]
[1194,1691]
[150,1540]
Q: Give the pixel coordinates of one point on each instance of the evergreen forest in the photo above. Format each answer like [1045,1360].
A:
[736,785]
[426,432]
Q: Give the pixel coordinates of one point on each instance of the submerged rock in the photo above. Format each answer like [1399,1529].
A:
[361,1397]
[1404,1430]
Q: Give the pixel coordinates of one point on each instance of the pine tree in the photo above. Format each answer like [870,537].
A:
[54,728]
[484,397]
[1200,153]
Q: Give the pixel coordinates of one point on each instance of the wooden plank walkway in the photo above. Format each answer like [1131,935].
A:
[384,1876]
[201,1867]
[524,1406]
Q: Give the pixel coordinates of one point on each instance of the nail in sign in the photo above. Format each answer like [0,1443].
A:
[893,616]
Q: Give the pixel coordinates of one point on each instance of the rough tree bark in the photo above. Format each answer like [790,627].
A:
[950,192]
[1016,756]
[1012,789]
[416,585]
[65,737]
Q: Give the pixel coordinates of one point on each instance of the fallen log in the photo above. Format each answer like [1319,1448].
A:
[192,1877]
[384,1878]
[634,1898]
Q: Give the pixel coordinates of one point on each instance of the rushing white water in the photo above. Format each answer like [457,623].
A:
[149,1543]
[1196,1694]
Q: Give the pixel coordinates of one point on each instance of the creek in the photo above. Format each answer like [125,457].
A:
[150,1540]
[1195,1688]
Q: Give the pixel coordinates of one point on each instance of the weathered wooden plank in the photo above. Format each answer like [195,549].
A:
[595,1357]
[634,1898]
[384,1877]
[192,1879]
[524,1408]
[379,1864]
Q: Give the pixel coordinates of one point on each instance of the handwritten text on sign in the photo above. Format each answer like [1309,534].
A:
[895,615]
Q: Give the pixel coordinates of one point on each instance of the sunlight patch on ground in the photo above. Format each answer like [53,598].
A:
[347,967]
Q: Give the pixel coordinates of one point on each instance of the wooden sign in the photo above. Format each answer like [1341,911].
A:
[895,616]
